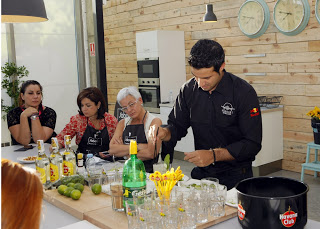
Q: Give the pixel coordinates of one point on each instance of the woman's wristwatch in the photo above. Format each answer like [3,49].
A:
[34,117]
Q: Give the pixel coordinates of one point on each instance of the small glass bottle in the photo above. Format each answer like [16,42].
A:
[80,164]
[56,162]
[69,158]
[43,165]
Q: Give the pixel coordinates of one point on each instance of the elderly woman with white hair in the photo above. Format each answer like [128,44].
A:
[135,127]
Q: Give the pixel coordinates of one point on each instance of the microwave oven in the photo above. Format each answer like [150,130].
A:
[148,68]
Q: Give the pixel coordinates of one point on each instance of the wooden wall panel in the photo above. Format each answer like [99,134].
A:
[291,63]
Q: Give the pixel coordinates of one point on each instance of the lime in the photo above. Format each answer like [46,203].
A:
[96,189]
[75,194]
[68,191]
[79,187]
[71,184]
[62,188]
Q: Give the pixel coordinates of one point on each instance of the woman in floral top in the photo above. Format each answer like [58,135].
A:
[93,126]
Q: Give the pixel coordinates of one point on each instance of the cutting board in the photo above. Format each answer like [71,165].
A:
[230,213]
[87,202]
[106,218]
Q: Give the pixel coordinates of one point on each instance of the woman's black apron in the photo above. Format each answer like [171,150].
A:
[94,141]
[137,133]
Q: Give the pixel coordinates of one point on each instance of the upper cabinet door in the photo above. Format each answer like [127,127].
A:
[147,45]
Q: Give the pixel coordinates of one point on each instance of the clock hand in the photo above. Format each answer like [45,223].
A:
[285,12]
[285,17]
[248,17]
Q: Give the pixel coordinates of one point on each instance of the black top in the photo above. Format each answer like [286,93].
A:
[47,118]
[229,118]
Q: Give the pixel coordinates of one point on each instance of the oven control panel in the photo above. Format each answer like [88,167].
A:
[149,81]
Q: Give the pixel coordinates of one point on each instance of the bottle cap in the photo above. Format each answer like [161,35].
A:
[89,155]
[80,156]
[54,143]
[40,145]
[133,147]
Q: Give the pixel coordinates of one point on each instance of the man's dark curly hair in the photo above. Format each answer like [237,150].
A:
[206,54]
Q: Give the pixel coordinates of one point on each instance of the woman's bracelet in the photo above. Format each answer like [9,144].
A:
[34,117]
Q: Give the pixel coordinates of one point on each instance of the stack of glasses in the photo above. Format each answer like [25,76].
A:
[186,207]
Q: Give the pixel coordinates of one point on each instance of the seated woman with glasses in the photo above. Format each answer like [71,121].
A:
[93,126]
[135,127]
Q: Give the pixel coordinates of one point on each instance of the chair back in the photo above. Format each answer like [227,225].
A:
[118,113]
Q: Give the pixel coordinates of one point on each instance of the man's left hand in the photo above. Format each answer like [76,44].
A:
[200,158]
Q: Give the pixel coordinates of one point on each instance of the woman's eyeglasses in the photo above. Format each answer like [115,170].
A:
[130,105]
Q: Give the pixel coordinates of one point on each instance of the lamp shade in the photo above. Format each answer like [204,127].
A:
[209,16]
[22,11]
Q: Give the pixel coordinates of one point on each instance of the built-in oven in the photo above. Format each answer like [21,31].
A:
[149,89]
[148,68]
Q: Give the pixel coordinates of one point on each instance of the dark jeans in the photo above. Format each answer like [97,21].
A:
[227,176]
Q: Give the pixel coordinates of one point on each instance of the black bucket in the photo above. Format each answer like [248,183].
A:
[272,202]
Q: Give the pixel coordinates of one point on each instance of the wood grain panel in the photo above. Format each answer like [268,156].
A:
[291,64]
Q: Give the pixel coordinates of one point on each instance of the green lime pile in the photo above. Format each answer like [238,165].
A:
[72,190]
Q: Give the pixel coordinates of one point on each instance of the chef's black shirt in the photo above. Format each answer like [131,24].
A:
[229,117]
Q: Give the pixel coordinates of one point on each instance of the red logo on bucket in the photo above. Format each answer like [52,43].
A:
[241,212]
[288,219]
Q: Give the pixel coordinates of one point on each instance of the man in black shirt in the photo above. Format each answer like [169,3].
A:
[224,114]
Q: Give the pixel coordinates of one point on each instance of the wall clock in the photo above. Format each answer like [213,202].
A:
[318,10]
[291,16]
[254,18]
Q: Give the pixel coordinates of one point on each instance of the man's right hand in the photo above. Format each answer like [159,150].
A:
[159,133]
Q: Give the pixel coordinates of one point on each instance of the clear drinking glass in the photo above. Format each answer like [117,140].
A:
[185,199]
[116,196]
[218,201]
[132,215]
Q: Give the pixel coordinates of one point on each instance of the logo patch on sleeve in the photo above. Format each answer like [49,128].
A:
[254,112]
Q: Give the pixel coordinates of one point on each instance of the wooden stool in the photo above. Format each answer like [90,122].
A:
[315,165]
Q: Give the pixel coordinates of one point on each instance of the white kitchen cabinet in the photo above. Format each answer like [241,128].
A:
[272,137]
[168,47]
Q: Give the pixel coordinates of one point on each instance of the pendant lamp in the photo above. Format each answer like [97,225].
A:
[209,16]
[23,11]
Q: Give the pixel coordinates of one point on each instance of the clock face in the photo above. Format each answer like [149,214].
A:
[318,10]
[288,14]
[251,17]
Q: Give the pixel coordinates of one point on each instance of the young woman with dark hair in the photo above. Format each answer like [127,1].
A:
[93,126]
[31,121]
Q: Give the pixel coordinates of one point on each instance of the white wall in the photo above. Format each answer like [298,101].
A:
[48,50]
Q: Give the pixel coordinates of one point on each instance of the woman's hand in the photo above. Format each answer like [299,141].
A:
[118,141]
[29,111]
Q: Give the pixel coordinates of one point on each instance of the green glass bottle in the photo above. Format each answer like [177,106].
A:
[134,175]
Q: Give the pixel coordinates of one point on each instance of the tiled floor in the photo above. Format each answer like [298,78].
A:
[313,195]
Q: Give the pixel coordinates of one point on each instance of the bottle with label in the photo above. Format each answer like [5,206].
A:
[43,165]
[56,162]
[134,174]
[69,158]
[80,164]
